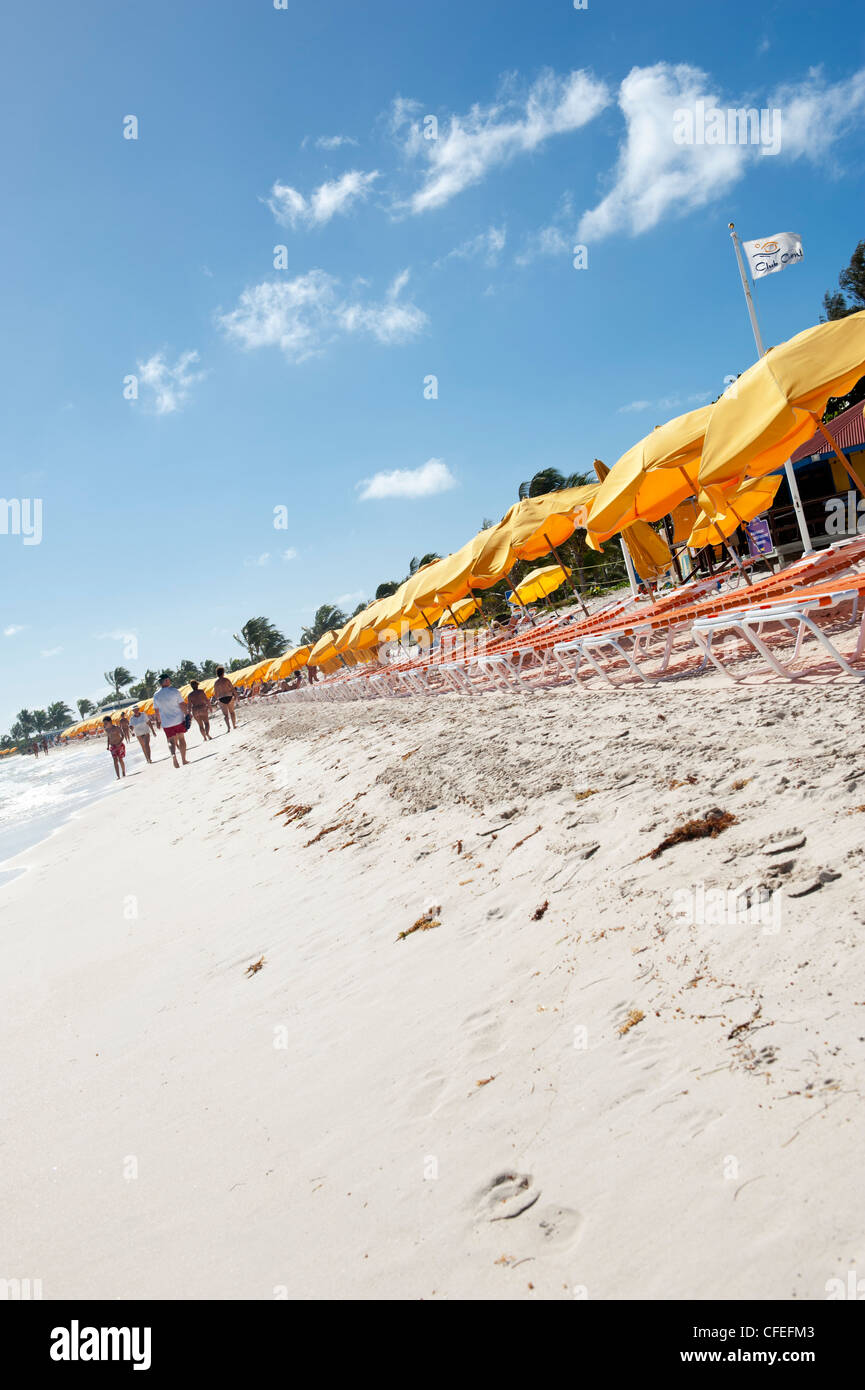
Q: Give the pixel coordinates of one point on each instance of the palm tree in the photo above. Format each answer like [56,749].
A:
[385,590]
[416,564]
[187,671]
[261,638]
[58,714]
[25,722]
[40,721]
[551,480]
[326,617]
[117,679]
[85,707]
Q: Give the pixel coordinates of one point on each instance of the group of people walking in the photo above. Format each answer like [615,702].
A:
[173,715]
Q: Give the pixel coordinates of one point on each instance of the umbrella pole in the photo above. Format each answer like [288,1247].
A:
[733,556]
[743,523]
[857,482]
[570,576]
[512,583]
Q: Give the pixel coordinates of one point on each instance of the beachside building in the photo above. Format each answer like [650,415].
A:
[832,507]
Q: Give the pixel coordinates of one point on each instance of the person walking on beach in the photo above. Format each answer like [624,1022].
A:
[226,695]
[124,726]
[171,712]
[34,748]
[116,746]
[199,706]
[140,726]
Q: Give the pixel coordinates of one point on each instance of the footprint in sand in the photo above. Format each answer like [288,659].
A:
[511,1196]
[507,1196]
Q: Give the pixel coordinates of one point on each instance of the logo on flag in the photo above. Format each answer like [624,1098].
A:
[774,253]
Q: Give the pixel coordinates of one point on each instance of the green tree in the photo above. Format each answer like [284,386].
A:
[851,282]
[261,638]
[326,617]
[85,707]
[187,671]
[59,715]
[117,679]
[551,480]
[385,590]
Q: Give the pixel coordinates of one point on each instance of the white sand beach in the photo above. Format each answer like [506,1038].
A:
[565,1087]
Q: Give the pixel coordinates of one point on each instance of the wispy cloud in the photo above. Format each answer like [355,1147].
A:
[471,145]
[328,142]
[258,561]
[289,554]
[346,601]
[656,177]
[169,387]
[51,651]
[13,629]
[303,316]
[666,403]
[487,246]
[431,477]
[337,196]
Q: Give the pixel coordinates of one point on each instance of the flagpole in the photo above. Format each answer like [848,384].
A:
[788,467]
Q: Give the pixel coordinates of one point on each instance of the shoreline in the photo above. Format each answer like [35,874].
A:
[335,1123]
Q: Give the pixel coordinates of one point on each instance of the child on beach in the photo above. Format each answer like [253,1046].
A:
[116,746]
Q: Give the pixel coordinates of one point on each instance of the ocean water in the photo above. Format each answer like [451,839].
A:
[38,794]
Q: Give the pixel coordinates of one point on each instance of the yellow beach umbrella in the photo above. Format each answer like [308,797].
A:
[324,651]
[540,582]
[652,477]
[748,501]
[538,524]
[293,660]
[459,612]
[777,403]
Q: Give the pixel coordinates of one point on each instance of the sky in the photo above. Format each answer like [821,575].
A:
[294,292]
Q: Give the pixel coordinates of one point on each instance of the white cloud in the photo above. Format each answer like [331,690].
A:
[667,403]
[13,629]
[170,385]
[346,601]
[289,554]
[51,651]
[258,560]
[431,477]
[655,176]
[815,116]
[331,142]
[488,245]
[552,240]
[302,316]
[336,196]
[471,145]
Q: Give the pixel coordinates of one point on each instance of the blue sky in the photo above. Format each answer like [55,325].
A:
[405,257]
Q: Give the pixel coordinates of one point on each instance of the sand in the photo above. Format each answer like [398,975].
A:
[568,1084]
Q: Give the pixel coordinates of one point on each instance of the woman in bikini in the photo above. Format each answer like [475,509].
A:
[199,707]
[225,694]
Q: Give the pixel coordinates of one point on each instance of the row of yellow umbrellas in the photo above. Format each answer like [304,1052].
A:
[707,468]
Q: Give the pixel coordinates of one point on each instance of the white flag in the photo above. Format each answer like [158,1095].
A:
[774,253]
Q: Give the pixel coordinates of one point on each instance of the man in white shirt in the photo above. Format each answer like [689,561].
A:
[140,726]
[171,712]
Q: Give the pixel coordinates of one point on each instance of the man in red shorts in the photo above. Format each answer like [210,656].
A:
[116,746]
[171,712]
